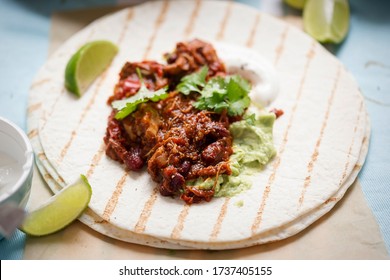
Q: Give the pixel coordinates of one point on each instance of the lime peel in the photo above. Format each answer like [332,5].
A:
[327,21]
[87,64]
[60,210]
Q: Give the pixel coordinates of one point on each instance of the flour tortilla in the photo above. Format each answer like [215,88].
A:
[321,142]
[95,222]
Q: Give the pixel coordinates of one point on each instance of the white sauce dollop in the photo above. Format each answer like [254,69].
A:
[252,66]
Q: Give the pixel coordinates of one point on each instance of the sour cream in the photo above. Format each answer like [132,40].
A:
[254,67]
[10,172]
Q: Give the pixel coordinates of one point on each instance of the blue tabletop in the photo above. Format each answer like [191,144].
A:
[24,33]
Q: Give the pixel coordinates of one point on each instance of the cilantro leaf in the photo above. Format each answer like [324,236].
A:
[229,93]
[237,88]
[129,105]
[215,87]
[238,107]
[193,81]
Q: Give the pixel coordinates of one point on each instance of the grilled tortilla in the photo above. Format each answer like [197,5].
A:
[321,140]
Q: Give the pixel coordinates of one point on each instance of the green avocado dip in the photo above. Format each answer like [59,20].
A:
[253,148]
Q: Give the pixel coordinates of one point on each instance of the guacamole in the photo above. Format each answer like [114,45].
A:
[252,149]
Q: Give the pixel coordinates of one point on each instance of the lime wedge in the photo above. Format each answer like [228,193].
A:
[60,210]
[327,21]
[87,64]
[297,4]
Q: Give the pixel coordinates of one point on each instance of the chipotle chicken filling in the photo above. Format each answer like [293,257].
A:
[176,141]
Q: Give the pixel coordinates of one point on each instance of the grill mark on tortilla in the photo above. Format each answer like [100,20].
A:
[96,219]
[30,110]
[53,107]
[111,204]
[332,199]
[279,49]
[34,107]
[33,133]
[47,176]
[221,217]
[194,15]
[39,82]
[221,32]
[96,159]
[129,17]
[59,182]
[84,113]
[180,222]
[314,156]
[357,166]
[145,214]
[158,22]
[259,216]
[42,157]
[351,146]
[251,40]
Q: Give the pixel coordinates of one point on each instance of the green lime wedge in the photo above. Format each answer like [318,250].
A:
[87,64]
[327,21]
[60,210]
[297,4]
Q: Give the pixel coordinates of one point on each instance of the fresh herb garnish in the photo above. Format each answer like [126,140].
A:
[193,81]
[219,93]
[126,106]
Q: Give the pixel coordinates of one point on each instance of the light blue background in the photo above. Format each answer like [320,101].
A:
[24,33]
